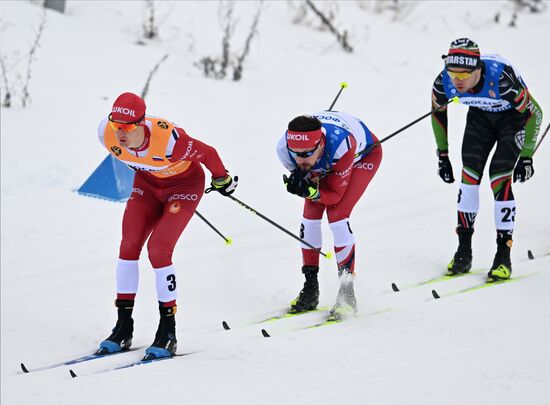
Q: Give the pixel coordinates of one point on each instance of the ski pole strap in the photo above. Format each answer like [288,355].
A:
[368,149]
[249,208]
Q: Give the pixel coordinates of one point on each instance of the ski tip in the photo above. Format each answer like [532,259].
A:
[435,294]
[225,325]
[530,255]
[265,334]
[72,373]
[25,370]
[394,287]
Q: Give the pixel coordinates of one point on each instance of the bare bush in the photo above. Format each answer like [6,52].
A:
[216,67]
[327,20]
[150,28]
[529,6]
[7,88]
[14,80]
[300,13]
[398,9]
[25,96]
[238,68]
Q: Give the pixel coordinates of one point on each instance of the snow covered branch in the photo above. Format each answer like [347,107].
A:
[342,38]
[7,95]
[238,69]
[151,74]
[150,29]
[531,6]
[216,67]
[25,96]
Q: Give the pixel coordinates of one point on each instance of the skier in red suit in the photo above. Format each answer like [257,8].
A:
[168,185]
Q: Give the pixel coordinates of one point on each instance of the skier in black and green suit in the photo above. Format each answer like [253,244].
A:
[501,112]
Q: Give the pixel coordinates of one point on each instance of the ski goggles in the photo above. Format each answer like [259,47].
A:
[126,126]
[305,154]
[459,75]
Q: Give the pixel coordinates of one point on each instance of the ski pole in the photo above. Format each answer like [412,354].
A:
[452,100]
[228,241]
[343,85]
[542,137]
[328,255]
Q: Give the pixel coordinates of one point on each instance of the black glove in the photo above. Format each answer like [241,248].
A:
[293,183]
[445,169]
[303,187]
[224,185]
[524,169]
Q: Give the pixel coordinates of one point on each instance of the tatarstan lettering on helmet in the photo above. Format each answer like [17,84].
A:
[461,60]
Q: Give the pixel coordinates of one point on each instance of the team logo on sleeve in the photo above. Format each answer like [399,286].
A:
[520,139]
[162,124]
[116,150]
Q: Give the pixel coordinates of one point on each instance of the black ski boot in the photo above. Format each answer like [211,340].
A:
[346,303]
[308,299]
[121,336]
[502,265]
[462,260]
[165,344]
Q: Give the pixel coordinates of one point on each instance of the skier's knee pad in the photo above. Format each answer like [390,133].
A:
[342,234]
[468,198]
[127,276]
[310,231]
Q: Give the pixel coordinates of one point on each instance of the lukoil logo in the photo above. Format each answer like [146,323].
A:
[297,137]
[124,110]
[188,150]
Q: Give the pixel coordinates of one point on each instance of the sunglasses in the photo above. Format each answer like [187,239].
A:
[126,127]
[304,155]
[459,75]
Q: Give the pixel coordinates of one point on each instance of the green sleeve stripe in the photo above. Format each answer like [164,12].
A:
[532,128]
[440,131]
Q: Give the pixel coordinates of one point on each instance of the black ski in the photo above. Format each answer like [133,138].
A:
[141,362]
[77,360]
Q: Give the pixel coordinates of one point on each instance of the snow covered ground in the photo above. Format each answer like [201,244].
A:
[59,249]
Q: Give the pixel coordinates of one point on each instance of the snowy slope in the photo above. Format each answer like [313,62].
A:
[59,249]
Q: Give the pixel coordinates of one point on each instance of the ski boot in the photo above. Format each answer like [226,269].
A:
[121,336]
[308,299]
[165,344]
[462,261]
[346,304]
[502,265]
